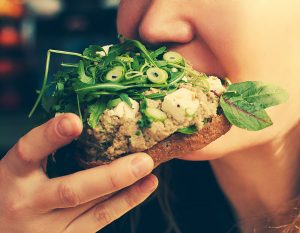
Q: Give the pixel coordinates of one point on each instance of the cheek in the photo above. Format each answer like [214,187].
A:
[130,13]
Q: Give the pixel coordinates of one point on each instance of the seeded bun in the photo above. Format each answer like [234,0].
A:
[175,145]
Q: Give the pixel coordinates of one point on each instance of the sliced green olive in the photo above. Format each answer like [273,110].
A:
[157,75]
[173,57]
[115,75]
[113,103]
[155,114]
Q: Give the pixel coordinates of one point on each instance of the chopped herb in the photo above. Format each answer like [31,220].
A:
[144,122]
[125,98]
[188,130]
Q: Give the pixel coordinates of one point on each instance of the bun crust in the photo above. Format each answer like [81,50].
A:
[179,144]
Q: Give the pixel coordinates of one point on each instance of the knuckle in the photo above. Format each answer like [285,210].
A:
[115,184]
[21,150]
[103,215]
[67,195]
[131,200]
[114,181]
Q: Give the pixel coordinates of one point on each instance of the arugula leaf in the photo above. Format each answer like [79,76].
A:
[158,52]
[135,64]
[188,130]
[142,48]
[244,103]
[95,111]
[125,98]
[161,63]
[82,76]
[92,50]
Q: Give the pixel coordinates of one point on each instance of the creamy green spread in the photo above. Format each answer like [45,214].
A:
[118,131]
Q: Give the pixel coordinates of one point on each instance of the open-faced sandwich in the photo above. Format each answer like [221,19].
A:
[133,99]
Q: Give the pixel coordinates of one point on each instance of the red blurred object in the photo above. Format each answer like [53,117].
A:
[11,8]
[6,67]
[10,99]
[9,36]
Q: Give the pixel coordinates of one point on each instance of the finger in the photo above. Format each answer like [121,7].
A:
[104,213]
[71,213]
[84,186]
[30,150]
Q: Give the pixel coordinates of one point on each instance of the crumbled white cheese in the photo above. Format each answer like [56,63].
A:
[181,104]
[185,79]
[123,110]
[215,84]
[174,70]
[106,49]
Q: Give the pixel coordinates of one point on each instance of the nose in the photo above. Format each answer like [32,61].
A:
[165,22]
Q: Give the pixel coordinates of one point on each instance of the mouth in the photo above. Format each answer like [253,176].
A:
[201,57]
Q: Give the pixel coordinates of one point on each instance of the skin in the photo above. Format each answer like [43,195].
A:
[85,201]
[243,40]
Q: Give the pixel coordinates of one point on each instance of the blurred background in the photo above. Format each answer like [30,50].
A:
[28,28]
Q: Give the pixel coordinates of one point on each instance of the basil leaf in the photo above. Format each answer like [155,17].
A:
[255,96]
[125,98]
[244,103]
[188,130]
[95,111]
[242,118]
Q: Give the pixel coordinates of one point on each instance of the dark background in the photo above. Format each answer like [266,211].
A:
[27,31]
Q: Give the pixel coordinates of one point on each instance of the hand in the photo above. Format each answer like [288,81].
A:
[82,202]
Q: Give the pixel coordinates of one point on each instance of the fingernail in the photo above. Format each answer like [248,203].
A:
[65,127]
[148,185]
[142,165]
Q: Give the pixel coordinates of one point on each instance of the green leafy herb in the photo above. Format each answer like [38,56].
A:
[144,122]
[188,130]
[83,88]
[125,98]
[244,103]
[92,51]
[158,52]
[82,76]
[95,111]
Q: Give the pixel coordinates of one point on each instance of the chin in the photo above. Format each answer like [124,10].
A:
[235,141]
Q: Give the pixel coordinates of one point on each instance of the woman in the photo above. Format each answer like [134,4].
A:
[258,172]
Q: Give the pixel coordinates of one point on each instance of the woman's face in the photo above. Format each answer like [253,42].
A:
[244,40]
